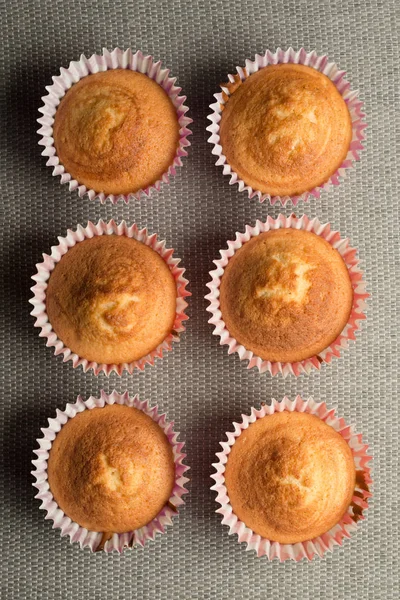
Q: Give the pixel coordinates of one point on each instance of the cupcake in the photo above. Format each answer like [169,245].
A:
[292,480]
[287,295]
[114,126]
[285,129]
[113,469]
[111,299]
[290,477]
[282,129]
[116,131]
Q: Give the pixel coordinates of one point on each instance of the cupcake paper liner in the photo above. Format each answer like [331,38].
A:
[117,59]
[45,268]
[311,59]
[76,533]
[323,543]
[359,295]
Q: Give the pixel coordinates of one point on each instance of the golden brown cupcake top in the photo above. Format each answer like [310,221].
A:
[285,130]
[290,477]
[286,295]
[116,131]
[111,299]
[111,469]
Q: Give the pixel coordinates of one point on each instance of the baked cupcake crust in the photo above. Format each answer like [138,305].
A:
[111,299]
[111,469]
[290,477]
[116,131]
[286,295]
[285,129]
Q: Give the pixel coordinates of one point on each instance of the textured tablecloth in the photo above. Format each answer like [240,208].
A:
[199,386]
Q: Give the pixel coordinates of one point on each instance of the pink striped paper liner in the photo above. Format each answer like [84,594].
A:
[45,268]
[79,534]
[321,544]
[117,59]
[357,314]
[320,63]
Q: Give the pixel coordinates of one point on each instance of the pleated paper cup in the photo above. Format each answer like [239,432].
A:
[117,59]
[311,59]
[357,314]
[45,268]
[323,543]
[95,540]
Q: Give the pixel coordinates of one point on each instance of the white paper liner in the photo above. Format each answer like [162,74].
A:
[45,268]
[321,544]
[359,295]
[117,59]
[320,63]
[79,534]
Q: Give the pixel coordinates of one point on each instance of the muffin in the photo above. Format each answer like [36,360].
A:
[286,295]
[111,299]
[290,477]
[285,129]
[111,469]
[116,131]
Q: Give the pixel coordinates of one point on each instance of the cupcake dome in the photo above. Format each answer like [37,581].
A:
[116,131]
[286,295]
[111,469]
[285,129]
[111,299]
[290,477]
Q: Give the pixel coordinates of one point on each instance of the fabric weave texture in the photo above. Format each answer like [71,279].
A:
[200,387]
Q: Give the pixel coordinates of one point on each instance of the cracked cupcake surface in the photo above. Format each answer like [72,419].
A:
[116,132]
[111,299]
[286,295]
[285,129]
[111,469]
[290,477]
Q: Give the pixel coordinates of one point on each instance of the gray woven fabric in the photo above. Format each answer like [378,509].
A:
[199,386]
